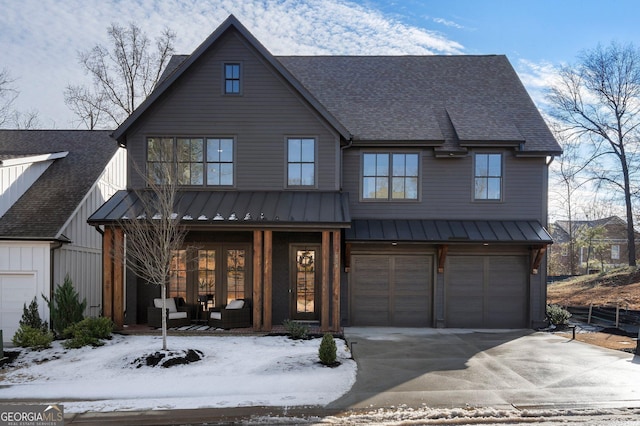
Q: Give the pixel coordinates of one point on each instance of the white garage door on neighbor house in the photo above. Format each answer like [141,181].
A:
[15,291]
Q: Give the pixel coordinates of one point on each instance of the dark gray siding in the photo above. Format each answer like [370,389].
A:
[447,190]
[267,112]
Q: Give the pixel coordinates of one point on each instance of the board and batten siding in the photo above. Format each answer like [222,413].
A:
[16,179]
[446,190]
[82,258]
[260,119]
[24,274]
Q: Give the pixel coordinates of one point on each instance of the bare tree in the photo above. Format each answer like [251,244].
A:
[86,105]
[8,94]
[599,98]
[9,116]
[122,75]
[570,172]
[155,234]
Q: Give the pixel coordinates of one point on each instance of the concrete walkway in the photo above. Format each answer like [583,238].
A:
[444,368]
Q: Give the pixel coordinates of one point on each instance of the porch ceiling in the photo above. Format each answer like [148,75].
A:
[448,231]
[237,209]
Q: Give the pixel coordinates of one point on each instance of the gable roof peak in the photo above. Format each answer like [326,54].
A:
[230,22]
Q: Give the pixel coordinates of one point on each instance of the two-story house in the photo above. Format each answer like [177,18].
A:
[600,242]
[351,190]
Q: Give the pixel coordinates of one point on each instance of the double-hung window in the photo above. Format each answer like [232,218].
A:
[301,162]
[220,161]
[488,177]
[190,167]
[390,176]
[195,161]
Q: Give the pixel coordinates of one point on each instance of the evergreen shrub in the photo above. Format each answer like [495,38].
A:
[327,351]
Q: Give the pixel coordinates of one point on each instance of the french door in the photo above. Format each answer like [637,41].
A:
[211,275]
[305,281]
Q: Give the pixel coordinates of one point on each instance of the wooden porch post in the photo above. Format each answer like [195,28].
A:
[118,278]
[335,323]
[257,280]
[268,280]
[324,315]
[107,273]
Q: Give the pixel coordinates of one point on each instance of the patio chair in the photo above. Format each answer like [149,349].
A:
[236,314]
[177,313]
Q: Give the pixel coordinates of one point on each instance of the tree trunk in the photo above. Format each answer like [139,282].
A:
[631,235]
[163,290]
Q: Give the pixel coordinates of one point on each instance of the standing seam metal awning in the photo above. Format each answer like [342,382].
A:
[448,231]
[238,209]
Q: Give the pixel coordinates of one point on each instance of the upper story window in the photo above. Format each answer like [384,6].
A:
[232,79]
[159,158]
[301,162]
[220,161]
[190,166]
[196,161]
[390,176]
[488,177]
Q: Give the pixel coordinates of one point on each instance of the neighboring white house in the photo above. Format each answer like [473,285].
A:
[50,182]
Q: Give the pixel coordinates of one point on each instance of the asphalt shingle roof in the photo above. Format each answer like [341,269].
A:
[431,98]
[49,202]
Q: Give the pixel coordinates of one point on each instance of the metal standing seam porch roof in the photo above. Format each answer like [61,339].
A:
[448,231]
[239,209]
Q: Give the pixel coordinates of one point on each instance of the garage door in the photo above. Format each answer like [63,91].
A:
[15,291]
[486,291]
[391,290]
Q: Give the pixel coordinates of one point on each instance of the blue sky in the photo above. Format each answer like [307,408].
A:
[40,39]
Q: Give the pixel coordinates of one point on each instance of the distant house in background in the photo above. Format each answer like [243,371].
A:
[50,182]
[607,249]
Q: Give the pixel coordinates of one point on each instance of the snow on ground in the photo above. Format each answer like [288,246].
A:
[236,371]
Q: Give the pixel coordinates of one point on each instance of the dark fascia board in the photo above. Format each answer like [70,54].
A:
[490,143]
[231,21]
[63,239]
[537,153]
[397,143]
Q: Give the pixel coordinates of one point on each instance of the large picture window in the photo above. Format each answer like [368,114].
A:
[488,177]
[196,161]
[390,176]
[301,166]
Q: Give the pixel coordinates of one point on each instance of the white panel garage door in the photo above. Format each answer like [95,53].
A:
[486,291]
[15,291]
[391,290]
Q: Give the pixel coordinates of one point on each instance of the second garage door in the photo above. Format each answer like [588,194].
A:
[391,290]
[486,291]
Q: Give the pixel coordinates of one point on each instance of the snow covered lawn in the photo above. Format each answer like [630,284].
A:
[235,371]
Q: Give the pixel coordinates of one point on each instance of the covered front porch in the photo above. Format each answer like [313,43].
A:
[289,263]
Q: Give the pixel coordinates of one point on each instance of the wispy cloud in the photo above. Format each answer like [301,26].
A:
[447,23]
[40,39]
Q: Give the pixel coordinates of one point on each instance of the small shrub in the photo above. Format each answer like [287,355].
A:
[327,351]
[88,332]
[34,338]
[557,315]
[296,330]
[66,308]
[31,317]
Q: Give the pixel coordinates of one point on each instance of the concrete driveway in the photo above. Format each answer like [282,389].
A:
[446,368]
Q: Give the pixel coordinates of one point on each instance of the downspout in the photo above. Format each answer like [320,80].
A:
[342,148]
[55,246]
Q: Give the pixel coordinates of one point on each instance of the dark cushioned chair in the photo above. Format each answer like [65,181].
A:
[236,314]
[177,313]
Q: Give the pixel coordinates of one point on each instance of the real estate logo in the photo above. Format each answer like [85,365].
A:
[31,415]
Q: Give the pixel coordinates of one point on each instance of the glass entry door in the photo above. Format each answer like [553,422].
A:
[305,282]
